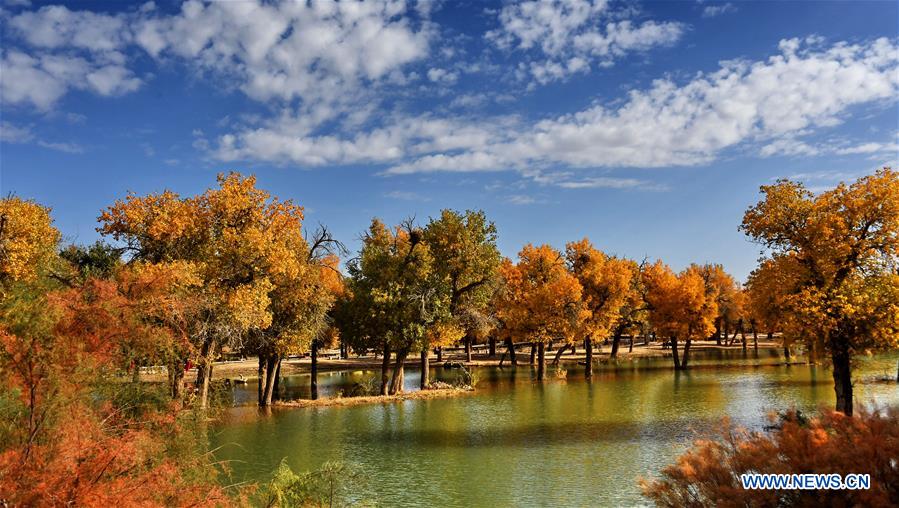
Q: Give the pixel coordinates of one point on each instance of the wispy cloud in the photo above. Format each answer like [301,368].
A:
[406,196]
[10,133]
[792,147]
[575,180]
[72,148]
[611,183]
[521,199]
[710,11]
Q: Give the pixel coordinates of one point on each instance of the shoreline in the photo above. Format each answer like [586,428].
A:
[570,362]
[426,394]
[248,369]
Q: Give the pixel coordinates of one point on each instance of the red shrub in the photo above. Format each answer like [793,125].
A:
[709,473]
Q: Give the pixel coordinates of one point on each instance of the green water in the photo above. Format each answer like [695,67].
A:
[516,442]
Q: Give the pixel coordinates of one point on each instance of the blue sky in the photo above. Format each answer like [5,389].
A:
[646,126]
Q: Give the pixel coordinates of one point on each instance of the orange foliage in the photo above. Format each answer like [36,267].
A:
[680,306]
[100,459]
[709,473]
[71,443]
[606,283]
[540,300]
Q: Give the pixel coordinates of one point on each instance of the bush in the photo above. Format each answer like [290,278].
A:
[331,485]
[709,473]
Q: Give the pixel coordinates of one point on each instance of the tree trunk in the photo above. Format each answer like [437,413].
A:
[439,354]
[616,340]
[560,352]
[786,352]
[842,376]
[385,369]
[260,389]
[276,391]
[743,334]
[468,348]
[588,361]
[686,358]
[176,378]
[492,343]
[813,352]
[204,371]
[512,351]
[533,352]
[755,338]
[674,351]
[313,371]
[396,383]
[725,330]
[270,367]
[718,331]
[630,346]
[425,369]
[541,360]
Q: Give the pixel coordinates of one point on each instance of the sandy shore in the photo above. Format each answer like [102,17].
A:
[437,393]
[248,368]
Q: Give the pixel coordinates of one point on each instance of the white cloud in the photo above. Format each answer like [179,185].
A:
[55,26]
[400,138]
[789,147]
[869,148]
[604,182]
[328,57]
[564,37]
[710,11]
[442,76]
[10,133]
[803,89]
[572,180]
[792,147]
[42,80]
[67,50]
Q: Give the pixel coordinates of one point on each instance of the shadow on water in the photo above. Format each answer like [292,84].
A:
[538,435]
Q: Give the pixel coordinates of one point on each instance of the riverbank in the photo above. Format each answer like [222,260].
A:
[430,393]
[328,362]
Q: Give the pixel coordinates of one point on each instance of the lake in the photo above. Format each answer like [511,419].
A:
[514,442]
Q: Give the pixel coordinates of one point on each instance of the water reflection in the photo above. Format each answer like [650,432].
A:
[518,442]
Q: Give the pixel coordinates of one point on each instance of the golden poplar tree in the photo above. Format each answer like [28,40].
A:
[838,252]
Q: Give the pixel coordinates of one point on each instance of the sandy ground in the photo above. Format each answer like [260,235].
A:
[378,399]
[329,361]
